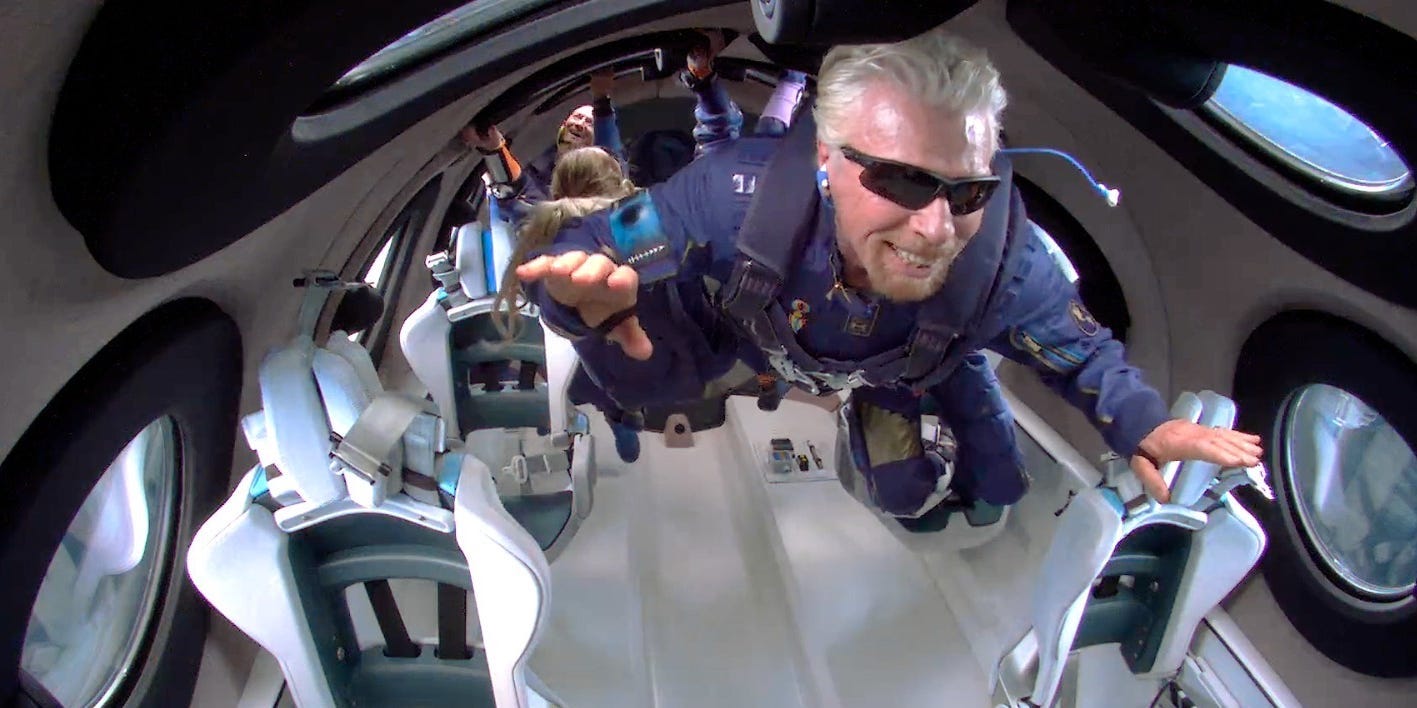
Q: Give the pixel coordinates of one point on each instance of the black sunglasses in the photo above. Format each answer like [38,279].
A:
[913,187]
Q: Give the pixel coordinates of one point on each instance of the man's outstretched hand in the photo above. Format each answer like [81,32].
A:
[596,288]
[1184,440]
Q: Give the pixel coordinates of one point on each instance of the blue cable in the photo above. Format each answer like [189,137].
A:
[1113,196]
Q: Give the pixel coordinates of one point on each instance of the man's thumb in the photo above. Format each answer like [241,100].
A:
[632,339]
[1150,478]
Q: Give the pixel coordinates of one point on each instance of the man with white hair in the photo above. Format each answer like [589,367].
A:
[913,253]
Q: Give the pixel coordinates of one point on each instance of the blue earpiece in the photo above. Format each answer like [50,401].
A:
[822,186]
[1113,196]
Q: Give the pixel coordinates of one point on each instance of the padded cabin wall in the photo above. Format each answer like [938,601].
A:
[1198,276]
[1398,14]
[1199,279]
[62,307]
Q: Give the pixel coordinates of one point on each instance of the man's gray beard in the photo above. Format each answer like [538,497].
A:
[932,285]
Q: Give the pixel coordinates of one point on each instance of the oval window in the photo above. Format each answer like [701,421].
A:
[1309,134]
[1355,490]
[100,592]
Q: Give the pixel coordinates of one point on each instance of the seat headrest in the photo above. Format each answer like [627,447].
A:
[469,260]
[359,309]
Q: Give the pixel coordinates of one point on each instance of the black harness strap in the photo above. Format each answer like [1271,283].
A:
[489,374]
[386,611]
[452,623]
[779,221]
[526,375]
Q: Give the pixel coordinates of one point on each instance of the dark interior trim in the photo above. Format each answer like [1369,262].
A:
[1345,57]
[1291,350]
[409,226]
[181,360]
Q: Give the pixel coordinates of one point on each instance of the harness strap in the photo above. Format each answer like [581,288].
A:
[780,216]
[386,611]
[750,289]
[366,449]
[784,204]
[452,623]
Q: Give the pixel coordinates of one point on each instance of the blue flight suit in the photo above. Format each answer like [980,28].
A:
[1040,322]
[535,184]
[718,121]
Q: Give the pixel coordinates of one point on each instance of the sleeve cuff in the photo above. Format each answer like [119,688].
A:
[602,107]
[1136,417]
[561,319]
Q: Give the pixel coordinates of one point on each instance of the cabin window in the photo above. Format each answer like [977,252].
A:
[1308,135]
[375,274]
[392,264]
[1355,490]
[102,588]
[434,37]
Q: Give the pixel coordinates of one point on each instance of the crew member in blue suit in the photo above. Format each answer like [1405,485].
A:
[907,259]
[717,119]
[516,186]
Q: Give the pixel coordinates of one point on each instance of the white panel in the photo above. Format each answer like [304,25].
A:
[340,389]
[358,357]
[472,269]
[424,339]
[510,579]
[561,363]
[295,419]
[239,554]
[1087,533]
[1222,554]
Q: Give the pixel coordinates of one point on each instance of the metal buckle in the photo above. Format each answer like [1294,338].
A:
[348,458]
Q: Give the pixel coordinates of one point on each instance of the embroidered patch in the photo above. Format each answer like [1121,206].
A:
[745,184]
[797,318]
[1084,319]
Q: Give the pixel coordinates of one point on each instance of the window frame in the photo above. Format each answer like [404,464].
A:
[1322,185]
[1288,351]
[181,360]
[159,543]
[1332,51]
[402,237]
[1332,562]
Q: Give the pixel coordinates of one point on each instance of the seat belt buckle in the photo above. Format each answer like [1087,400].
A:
[856,379]
[1254,476]
[518,471]
[365,476]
